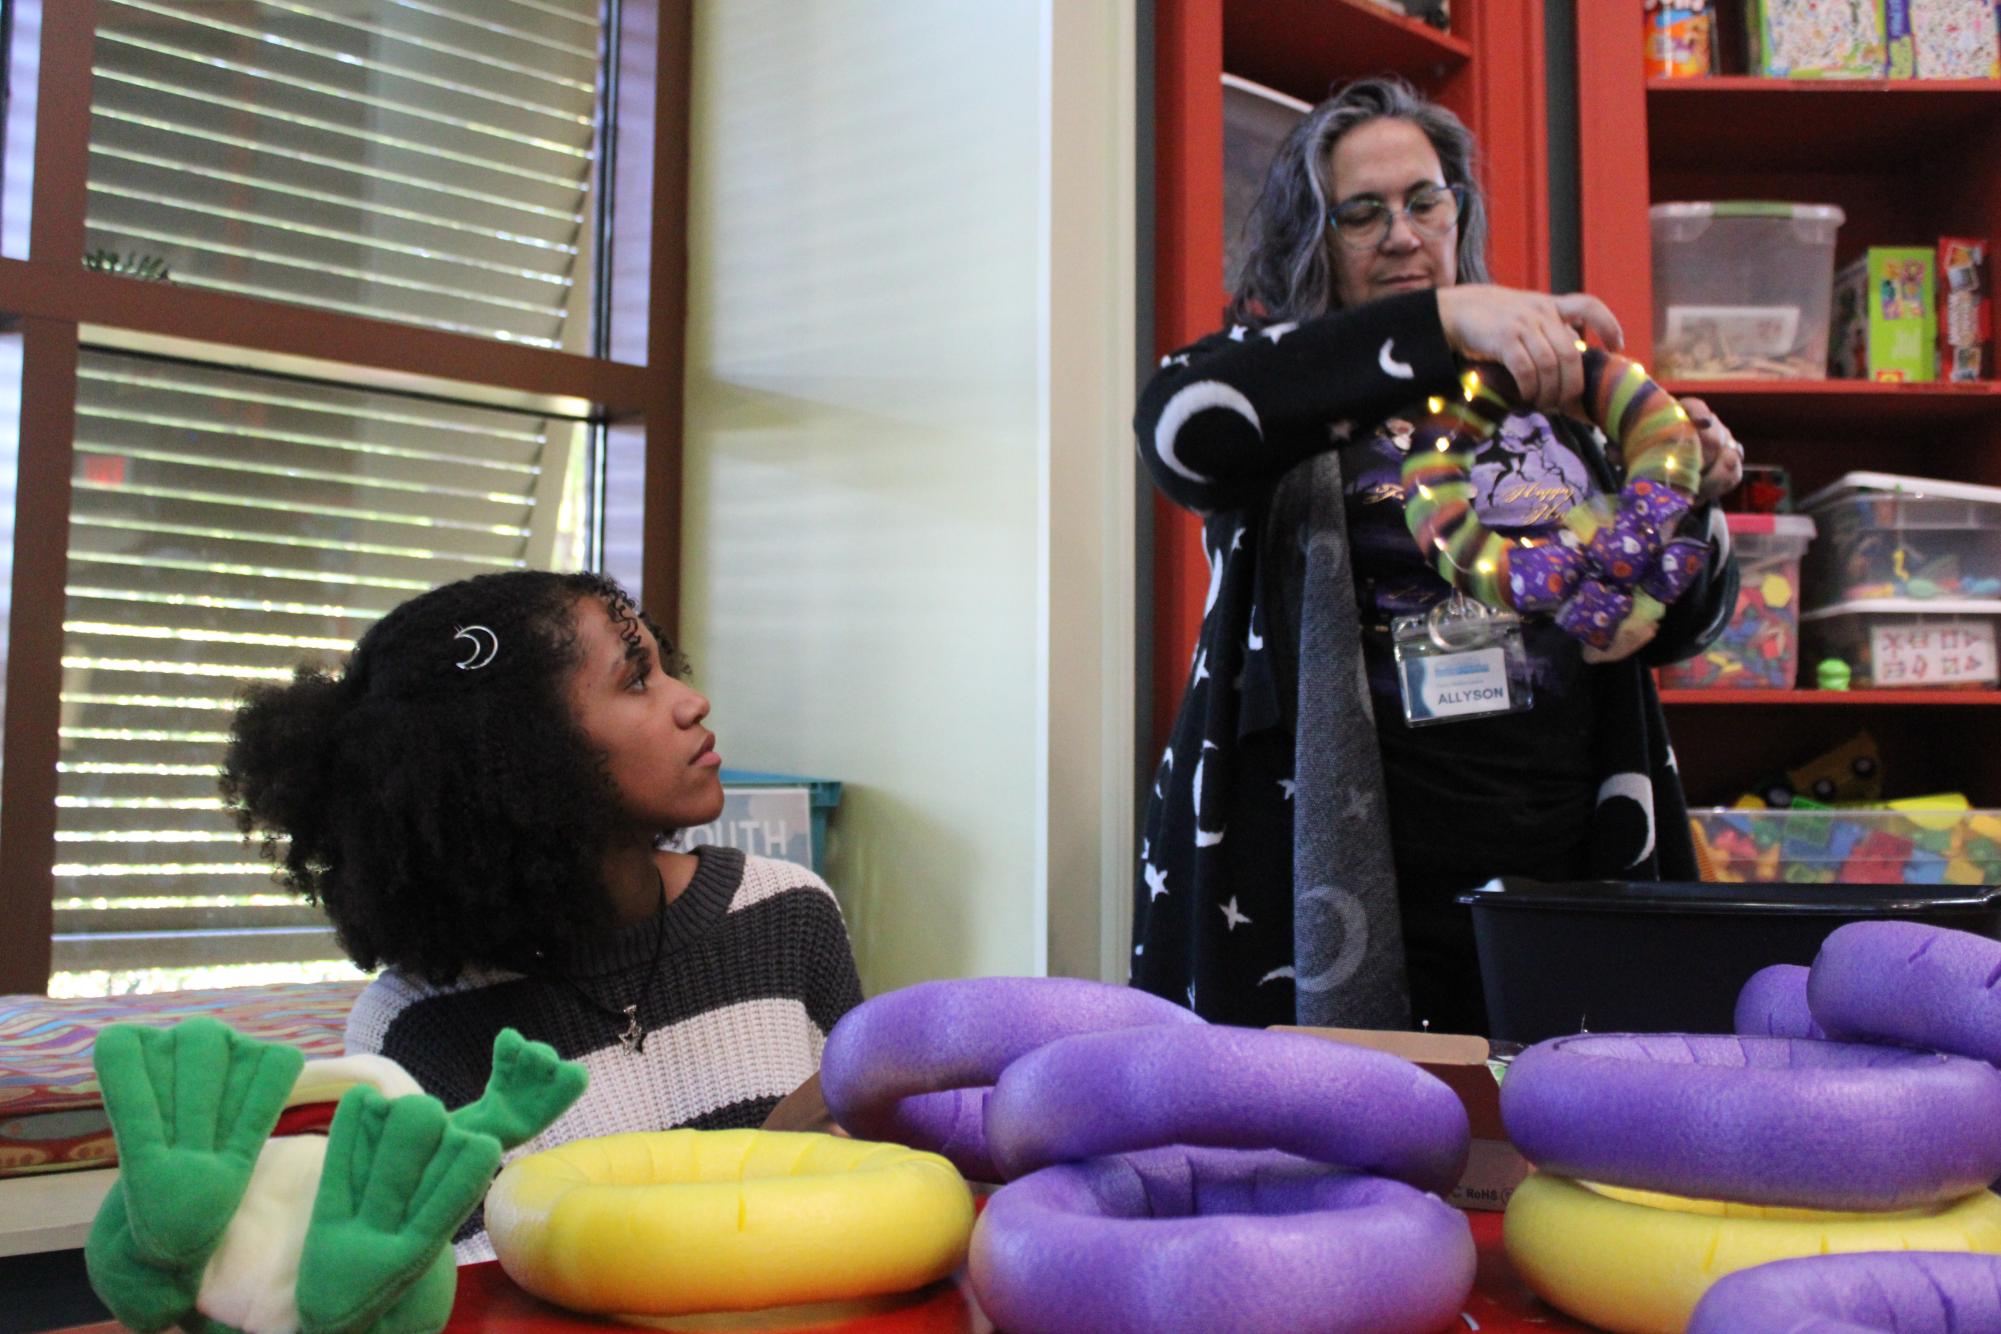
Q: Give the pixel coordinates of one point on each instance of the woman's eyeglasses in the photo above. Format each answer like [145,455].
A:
[1431,210]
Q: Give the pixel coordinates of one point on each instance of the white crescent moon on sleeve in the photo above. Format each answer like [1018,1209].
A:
[1275,974]
[1204,838]
[1639,789]
[485,644]
[1354,939]
[1194,398]
[1391,366]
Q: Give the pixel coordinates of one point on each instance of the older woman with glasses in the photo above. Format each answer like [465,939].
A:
[1326,796]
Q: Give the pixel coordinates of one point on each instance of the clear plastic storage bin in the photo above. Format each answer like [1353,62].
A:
[1885,536]
[1760,648]
[1743,289]
[1850,847]
[1907,643]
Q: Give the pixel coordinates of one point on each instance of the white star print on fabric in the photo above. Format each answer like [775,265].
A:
[1202,665]
[1232,916]
[1156,882]
[1215,580]
[1256,640]
[1278,331]
[1387,359]
[1286,785]
[1237,332]
[1237,539]
[1358,804]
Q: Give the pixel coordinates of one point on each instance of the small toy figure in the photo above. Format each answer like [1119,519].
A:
[217,1227]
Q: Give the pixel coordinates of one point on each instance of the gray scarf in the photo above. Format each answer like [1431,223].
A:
[1347,935]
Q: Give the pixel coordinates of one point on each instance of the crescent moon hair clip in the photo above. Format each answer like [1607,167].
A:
[485,644]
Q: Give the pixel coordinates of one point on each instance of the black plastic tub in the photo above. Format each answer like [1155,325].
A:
[1611,956]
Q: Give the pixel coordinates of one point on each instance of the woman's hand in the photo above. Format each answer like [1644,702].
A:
[1533,334]
[1722,455]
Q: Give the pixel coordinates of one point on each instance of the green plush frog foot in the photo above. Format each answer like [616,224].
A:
[400,1177]
[530,1087]
[191,1107]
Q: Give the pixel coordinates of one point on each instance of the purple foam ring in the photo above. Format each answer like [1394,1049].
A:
[1773,1005]
[961,1034]
[1654,502]
[1594,613]
[1237,1088]
[1680,564]
[1623,550]
[1542,578]
[1904,982]
[1777,1121]
[1201,1240]
[1884,1292]
[951,1124]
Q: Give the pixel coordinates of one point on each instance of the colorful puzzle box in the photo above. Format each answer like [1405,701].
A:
[1886,316]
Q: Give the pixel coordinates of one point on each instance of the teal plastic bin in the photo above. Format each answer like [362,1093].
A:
[772,815]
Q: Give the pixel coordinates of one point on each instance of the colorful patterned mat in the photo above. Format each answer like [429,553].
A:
[51,1116]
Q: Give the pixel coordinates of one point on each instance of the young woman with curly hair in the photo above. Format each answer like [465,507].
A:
[481,798]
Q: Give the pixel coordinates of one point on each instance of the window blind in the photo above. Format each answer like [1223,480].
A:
[224,527]
[431,162]
[427,161]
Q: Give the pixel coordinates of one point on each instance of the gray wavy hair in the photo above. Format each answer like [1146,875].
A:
[1286,272]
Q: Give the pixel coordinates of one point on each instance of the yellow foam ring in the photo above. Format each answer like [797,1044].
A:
[680,1222]
[1654,1199]
[789,1319]
[1637,1262]
[1778,590]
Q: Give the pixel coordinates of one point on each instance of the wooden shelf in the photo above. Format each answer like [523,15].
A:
[1816,698]
[1809,124]
[1292,45]
[1791,406]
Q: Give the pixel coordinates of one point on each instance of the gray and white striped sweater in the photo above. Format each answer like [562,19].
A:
[754,970]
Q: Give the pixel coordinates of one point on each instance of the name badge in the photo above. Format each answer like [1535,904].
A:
[1461,661]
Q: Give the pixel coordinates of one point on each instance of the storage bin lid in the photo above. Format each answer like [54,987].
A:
[1907,607]
[1875,484]
[1687,897]
[1747,208]
[1796,526]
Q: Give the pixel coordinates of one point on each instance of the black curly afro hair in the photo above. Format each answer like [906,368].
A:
[446,812]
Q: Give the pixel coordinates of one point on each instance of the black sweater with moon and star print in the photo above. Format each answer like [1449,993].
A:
[1218,427]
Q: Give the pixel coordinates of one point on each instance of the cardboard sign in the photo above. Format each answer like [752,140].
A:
[1932,653]
[762,822]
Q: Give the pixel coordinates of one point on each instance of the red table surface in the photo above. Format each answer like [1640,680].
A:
[489,1303]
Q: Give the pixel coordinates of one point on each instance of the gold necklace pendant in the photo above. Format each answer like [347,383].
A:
[634,1036]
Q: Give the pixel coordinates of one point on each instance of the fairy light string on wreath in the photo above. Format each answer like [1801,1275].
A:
[1614,565]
